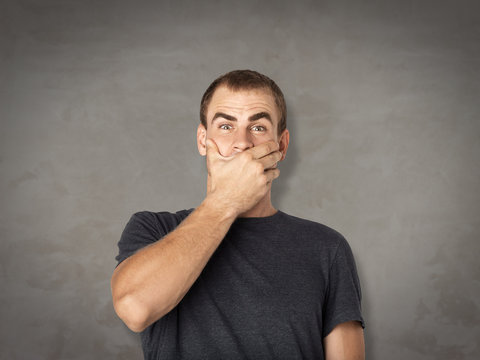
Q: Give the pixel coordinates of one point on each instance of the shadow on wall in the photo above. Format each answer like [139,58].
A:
[287,167]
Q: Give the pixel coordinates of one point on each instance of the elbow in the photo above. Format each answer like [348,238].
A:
[135,308]
[132,312]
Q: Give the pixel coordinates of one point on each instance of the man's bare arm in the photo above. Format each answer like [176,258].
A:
[152,282]
[345,342]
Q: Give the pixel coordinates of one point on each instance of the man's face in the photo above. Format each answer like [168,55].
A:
[239,120]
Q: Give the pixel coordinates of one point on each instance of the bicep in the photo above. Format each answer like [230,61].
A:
[345,342]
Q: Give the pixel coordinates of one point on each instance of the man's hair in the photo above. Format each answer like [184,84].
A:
[246,80]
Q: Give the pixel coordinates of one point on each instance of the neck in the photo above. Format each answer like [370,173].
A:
[263,208]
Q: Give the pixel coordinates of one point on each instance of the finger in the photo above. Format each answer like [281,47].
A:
[270,160]
[212,150]
[272,174]
[261,150]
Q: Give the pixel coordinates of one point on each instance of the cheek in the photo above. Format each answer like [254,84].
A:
[264,138]
[259,140]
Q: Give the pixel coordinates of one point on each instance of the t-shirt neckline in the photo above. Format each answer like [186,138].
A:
[259,220]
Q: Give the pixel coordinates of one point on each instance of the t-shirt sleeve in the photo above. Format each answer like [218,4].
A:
[343,296]
[140,231]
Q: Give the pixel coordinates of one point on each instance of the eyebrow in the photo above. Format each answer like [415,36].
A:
[254,117]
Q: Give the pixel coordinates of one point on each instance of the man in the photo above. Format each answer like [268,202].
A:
[235,278]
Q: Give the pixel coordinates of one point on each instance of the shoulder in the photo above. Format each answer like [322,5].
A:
[145,228]
[312,230]
[164,219]
[151,226]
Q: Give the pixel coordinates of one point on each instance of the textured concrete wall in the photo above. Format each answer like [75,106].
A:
[98,111]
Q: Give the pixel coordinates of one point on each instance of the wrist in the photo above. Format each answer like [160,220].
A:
[221,207]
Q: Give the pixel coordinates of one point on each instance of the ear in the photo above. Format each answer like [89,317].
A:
[201,139]
[283,143]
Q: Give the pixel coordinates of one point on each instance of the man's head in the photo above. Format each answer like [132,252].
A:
[242,109]
[244,80]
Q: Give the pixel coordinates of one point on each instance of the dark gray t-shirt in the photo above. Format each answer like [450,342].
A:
[272,290]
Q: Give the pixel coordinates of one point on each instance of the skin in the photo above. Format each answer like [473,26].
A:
[242,148]
[235,124]
[345,342]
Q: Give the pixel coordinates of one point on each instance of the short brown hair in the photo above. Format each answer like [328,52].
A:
[245,80]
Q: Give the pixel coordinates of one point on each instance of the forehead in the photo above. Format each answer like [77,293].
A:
[242,101]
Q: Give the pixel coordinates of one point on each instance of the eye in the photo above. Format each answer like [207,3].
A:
[225,126]
[258,128]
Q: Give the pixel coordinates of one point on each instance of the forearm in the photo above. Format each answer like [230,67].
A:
[151,282]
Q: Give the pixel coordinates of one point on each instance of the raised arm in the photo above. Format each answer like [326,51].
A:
[153,281]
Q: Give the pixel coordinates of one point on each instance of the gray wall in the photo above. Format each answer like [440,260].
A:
[98,111]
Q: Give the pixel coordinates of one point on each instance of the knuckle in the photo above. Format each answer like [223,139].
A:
[263,179]
[247,156]
[259,167]
[270,146]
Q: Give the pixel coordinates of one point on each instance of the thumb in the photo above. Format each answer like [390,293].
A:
[212,150]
